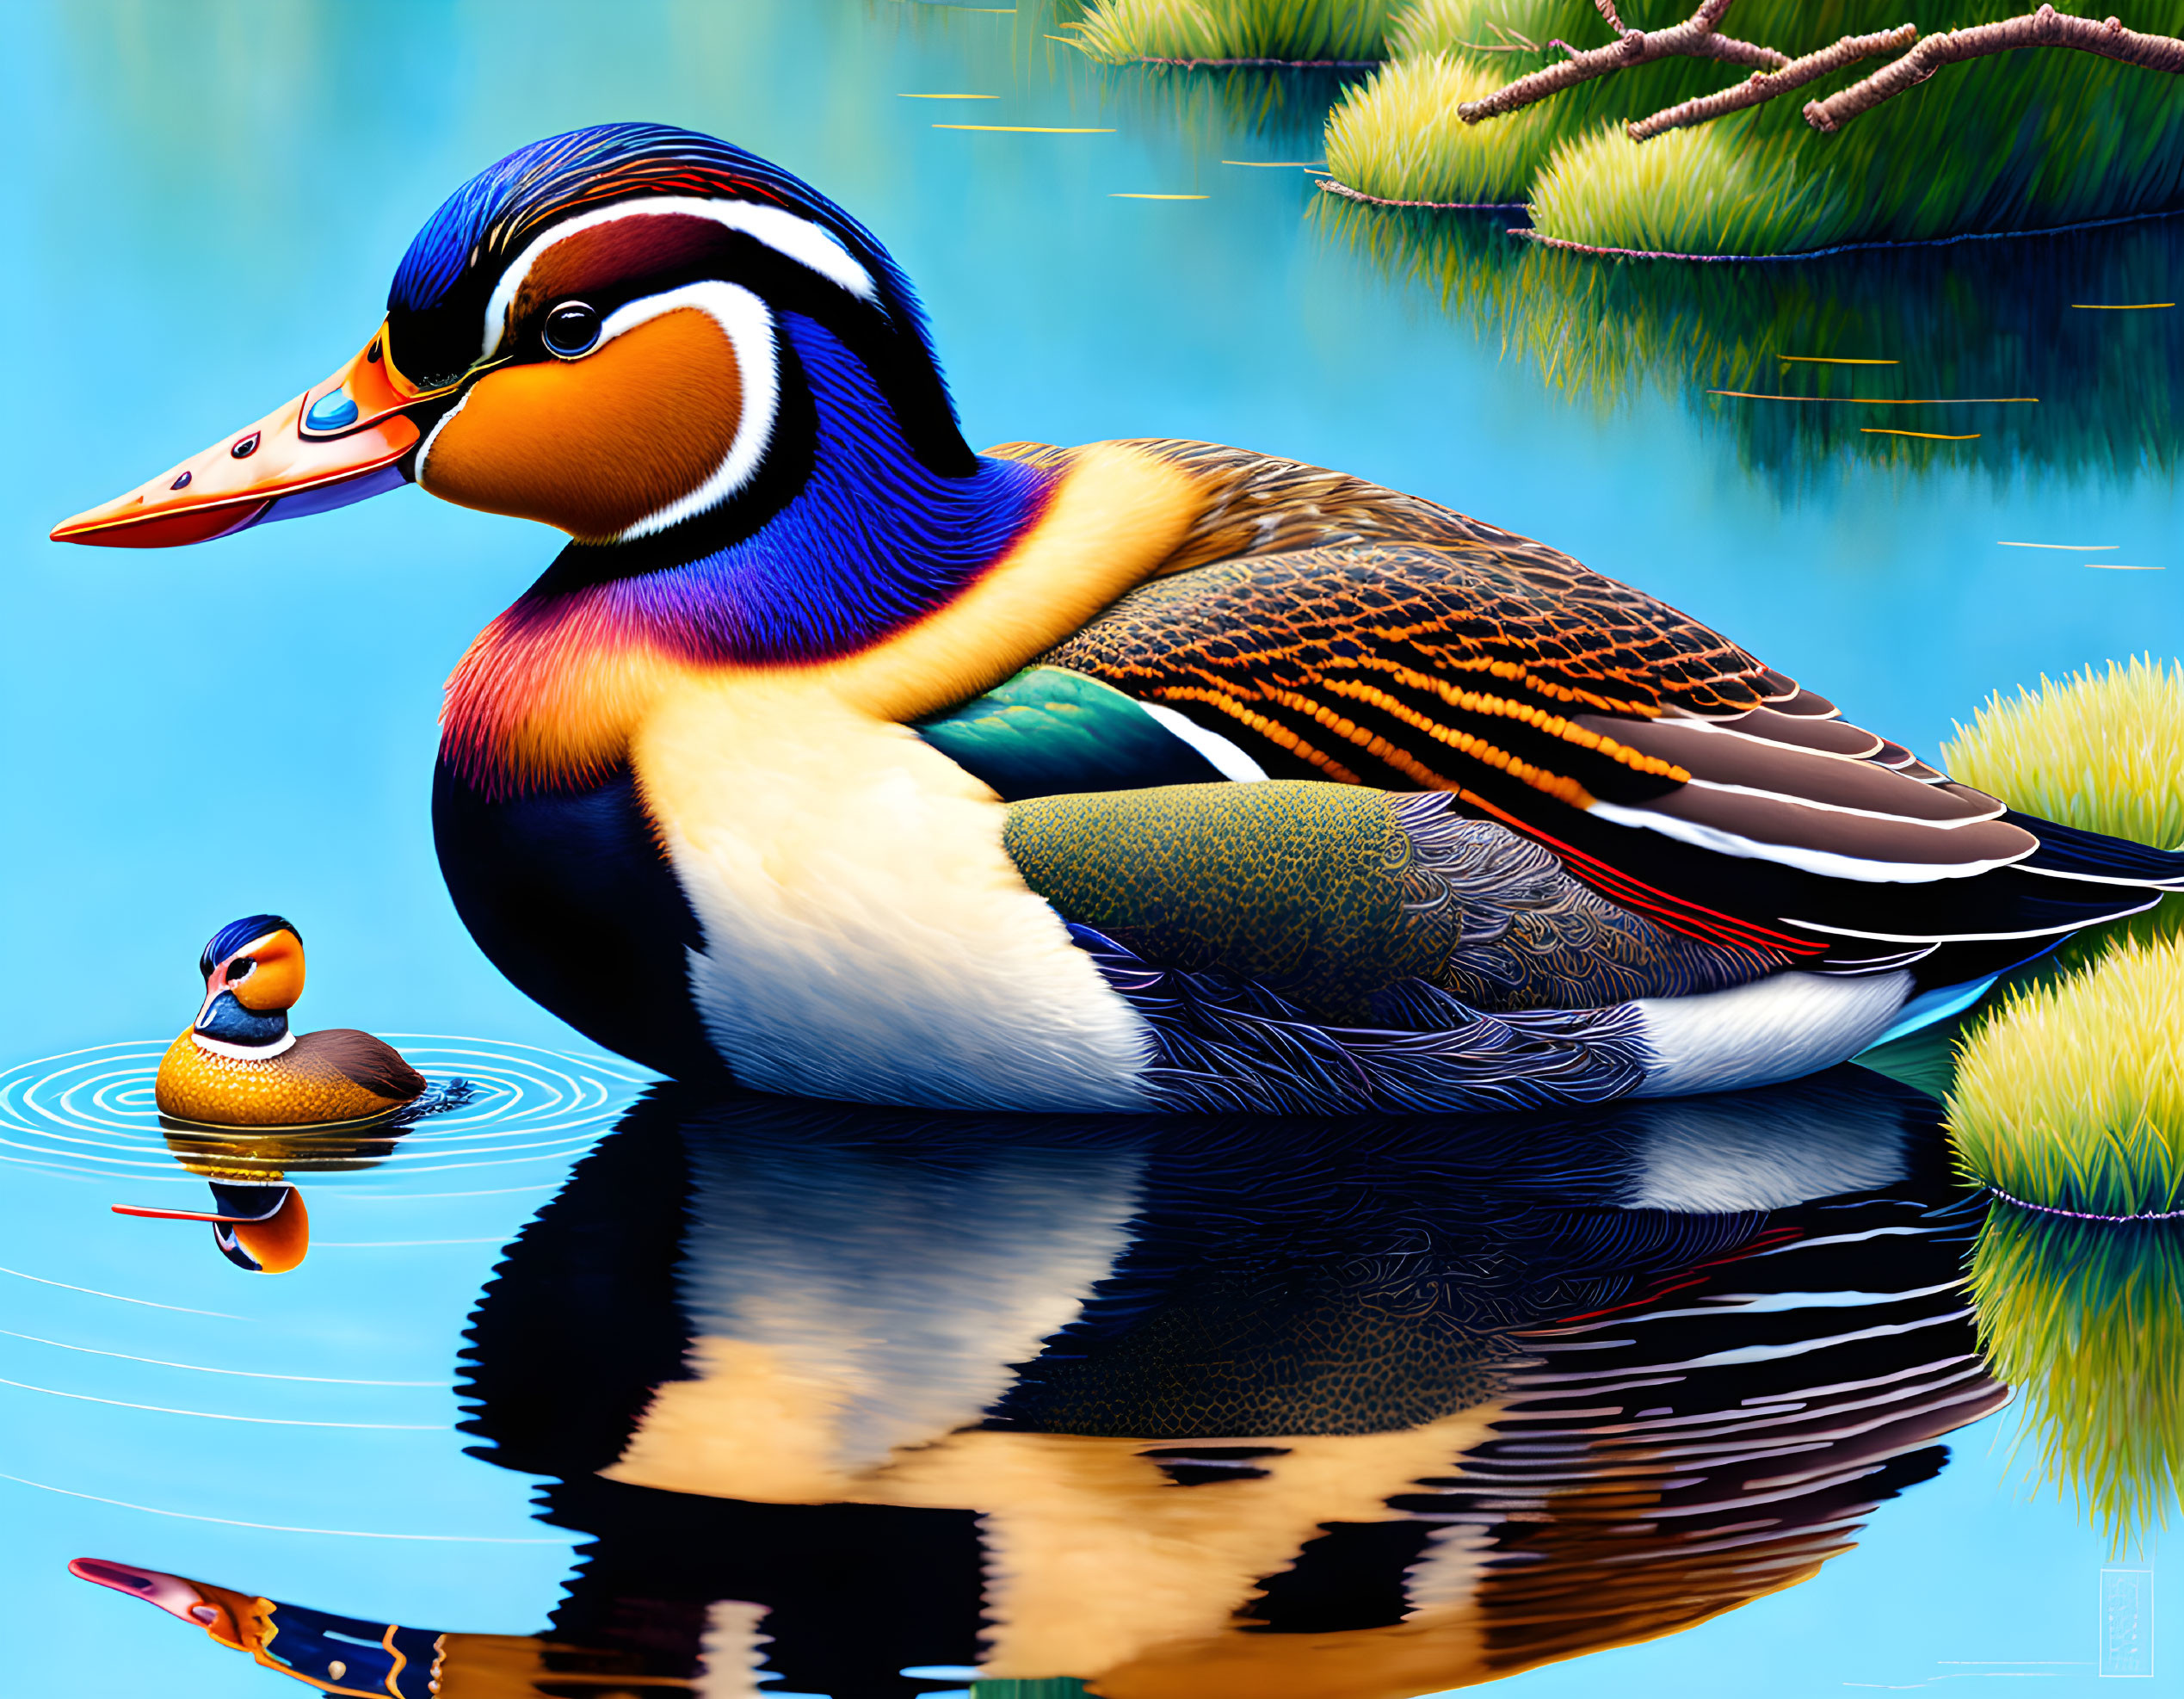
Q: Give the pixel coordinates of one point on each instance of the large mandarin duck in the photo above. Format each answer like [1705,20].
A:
[1142,774]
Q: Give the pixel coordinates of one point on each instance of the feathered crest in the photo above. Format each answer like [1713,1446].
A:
[450,271]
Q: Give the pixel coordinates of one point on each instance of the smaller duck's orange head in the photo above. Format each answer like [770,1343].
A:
[258,962]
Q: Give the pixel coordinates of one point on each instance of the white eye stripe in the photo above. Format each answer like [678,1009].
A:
[745,320]
[792,237]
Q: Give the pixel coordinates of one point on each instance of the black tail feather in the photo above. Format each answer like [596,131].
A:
[2073,852]
[2086,877]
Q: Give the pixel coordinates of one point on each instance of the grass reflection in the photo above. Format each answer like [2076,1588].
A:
[1984,319]
[2086,1319]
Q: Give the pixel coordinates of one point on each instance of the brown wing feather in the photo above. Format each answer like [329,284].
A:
[1483,598]
[1354,633]
[360,1059]
[1405,665]
[1334,629]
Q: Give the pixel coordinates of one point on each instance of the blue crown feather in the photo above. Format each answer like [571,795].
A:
[236,933]
[485,222]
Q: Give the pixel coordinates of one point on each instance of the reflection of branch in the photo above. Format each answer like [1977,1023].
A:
[2047,27]
[1694,38]
[1764,85]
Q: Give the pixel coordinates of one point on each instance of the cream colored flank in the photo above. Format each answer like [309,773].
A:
[866,935]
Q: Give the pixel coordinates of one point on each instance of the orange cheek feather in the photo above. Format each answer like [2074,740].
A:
[278,979]
[594,445]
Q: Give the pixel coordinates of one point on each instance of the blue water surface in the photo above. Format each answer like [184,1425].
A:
[208,199]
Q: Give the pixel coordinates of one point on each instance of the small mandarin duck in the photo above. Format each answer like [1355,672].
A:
[238,1064]
[1143,774]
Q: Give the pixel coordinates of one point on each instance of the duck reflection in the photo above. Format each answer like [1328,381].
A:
[1219,1406]
[258,1219]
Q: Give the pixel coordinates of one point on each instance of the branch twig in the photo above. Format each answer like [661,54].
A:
[2047,27]
[1764,85]
[1694,38]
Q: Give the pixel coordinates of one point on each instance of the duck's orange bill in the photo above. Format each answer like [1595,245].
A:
[336,443]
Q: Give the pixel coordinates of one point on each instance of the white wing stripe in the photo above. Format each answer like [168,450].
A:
[1228,760]
[1824,862]
[1843,807]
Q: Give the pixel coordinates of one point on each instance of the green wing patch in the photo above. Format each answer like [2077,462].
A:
[1049,730]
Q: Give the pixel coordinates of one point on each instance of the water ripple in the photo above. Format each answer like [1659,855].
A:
[91,1111]
[209,1369]
[285,1527]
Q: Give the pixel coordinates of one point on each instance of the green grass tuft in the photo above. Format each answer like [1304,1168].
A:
[1398,137]
[2100,751]
[2071,1095]
[1695,191]
[2086,1320]
[2019,141]
[1119,31]
[1509,37]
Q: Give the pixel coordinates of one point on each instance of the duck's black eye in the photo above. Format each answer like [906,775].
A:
[571,329]
[240,968]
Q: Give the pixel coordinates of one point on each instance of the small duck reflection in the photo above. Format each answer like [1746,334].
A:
[855,1402]
[258,1219]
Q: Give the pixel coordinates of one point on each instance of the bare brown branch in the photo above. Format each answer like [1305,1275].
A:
[1765,85]
[1607,9]
[1694,38]
[2047,27]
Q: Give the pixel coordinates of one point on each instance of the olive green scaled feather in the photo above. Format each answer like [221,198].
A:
[1295,885]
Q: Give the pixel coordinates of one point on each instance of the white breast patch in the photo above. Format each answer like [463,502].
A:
[866,935]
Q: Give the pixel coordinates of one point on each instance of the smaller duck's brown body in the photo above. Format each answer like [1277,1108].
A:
[238,1066]
[337,1075]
